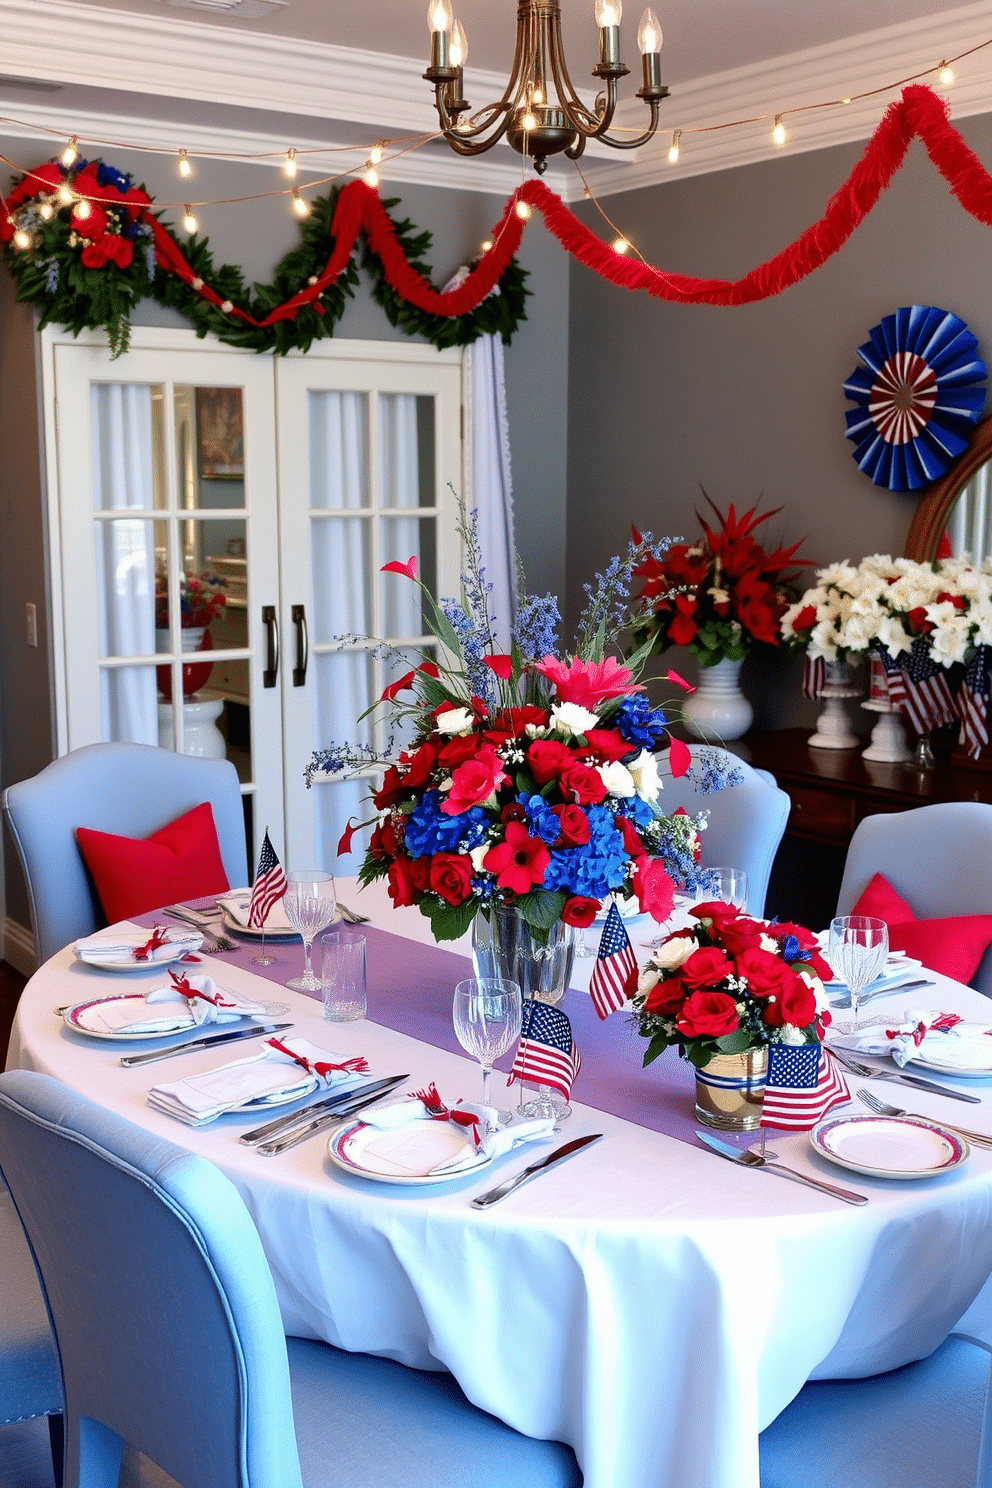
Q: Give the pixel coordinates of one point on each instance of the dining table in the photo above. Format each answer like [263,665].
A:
[647,1302]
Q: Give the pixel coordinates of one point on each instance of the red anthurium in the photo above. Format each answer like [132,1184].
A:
[679,757]
[400,685]
[344,841]
[409,567]
[501,665]
[519,861]
[671,676]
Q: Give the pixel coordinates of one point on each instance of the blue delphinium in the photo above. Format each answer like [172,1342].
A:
[338,758]
[429,830]
[638,722]
[535,632]
[712,770]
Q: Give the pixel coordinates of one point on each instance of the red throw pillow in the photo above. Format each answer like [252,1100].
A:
[134,874]
[953,946]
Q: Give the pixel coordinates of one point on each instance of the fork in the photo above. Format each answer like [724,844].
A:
[882,1108]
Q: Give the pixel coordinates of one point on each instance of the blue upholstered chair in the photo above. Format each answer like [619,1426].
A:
[30,1378]
[170,1337]
[746,822]
[937,857]
[129,789]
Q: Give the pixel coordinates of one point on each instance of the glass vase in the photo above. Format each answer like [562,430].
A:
[503,945]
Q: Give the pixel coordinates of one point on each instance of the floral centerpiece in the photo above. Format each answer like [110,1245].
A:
[529,781]
[719,596]
[201,597]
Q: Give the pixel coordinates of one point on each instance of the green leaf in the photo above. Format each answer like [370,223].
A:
[734,1043]
[659,1043]
[541,908]
[448,921]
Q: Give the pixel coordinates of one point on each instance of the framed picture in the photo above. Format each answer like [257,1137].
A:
[220,436]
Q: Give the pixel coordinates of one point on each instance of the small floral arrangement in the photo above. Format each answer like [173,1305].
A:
[201,597]
[719,596]
[530,780]
[731,983]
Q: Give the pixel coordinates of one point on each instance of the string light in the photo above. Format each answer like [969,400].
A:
[779,134]
[82,210]
[376,153]
[522,210]
[185,164]
[674,150]
[945,75]
[371,175]
[70,154]
[291,167]
[300,207]
[46,211]
[845,100]
[620,245]
[486,245]
[189,221]
[65,194]
[23,240]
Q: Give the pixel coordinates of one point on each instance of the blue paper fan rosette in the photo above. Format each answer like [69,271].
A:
[918,396]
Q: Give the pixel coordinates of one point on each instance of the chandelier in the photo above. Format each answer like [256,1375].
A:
[540,112]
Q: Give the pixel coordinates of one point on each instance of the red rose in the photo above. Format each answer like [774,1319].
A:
[654,889]
[547,758]
[420,765]
[475,781]
[705,967]
[666,997]
[683,627]
[528,713]
[519,861]
[635,847]
[580,911]
[575,828]
[707,1013]
[740,934]
[582,782]
[918,622]
[717,910]
[795,1004]
[402,888]
[459,749]
[767,975]
[385,840]
[805,618]
[451,877]
[607,744]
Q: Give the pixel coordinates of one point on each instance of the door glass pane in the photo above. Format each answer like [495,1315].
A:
[339,450]
[125,569]
[128,444]
[406,443]
[210,447]
[128,705]
[342,577]
[402,608]
[344,688]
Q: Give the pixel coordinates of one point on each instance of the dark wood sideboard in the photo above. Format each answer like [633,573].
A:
[831,791]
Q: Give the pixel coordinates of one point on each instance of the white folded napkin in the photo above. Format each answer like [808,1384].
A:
[484,1137]
[166,1008]
[238,902]
[942,1038]
[271,1073]
[119,943]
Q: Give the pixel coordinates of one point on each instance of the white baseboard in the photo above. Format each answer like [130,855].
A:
[18,948]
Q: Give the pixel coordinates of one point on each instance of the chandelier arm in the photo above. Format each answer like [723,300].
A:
[579,117]
[486,117]
[642,139]
[461,141]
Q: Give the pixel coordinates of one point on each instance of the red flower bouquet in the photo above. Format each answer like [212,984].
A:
[718,596]
[730,983]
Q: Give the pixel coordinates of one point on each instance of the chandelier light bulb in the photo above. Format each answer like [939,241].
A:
[185,165]
[291,167]
[23,240]
[440,16]
[375,154]
[371,176]
[608,13]
[458,50]
[537,96]
[65,194]
[522,210]
[300,206]
[649,37]
[675,149]
[70,154]
[620,245]
[945,75]
[189,221]
[529,121]
[779,133]
[83,210]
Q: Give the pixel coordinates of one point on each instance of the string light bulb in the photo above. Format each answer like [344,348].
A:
[65,194]
[945,75]
[375,154]
[82,210]
[522,210]
[23,240]
[46,211]
[620,245]
[291,167]
[486,245]
[779,133]
[371,175]
[189,221]
[71,153]
[674,149]
[300,205]
[185,164]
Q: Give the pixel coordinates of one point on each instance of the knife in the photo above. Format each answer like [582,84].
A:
[326,1103]
[483,1201]
[752,1159]
[931,1086]
[845,1002]
[129,1060]
[328,1118]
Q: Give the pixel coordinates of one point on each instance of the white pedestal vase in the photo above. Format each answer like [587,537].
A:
[718,710]
[833,727]
[888,737]
[201,736]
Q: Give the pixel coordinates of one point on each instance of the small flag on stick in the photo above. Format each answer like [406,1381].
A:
[546,1054]
[614,977]
[270,885]
[803,1084]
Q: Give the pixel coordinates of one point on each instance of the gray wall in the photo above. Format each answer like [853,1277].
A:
[748,401]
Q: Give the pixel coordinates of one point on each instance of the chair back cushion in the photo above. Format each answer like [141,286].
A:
[30,1378]
[953,945]
[161,1299]
[180,861]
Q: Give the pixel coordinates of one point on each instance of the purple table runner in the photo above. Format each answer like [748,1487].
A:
[410,990]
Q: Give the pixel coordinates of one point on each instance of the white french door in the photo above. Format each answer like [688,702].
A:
[163,469]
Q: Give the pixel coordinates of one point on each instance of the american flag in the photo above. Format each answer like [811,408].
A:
[814,676]
[546,1053]
[614,977]
[918,687]
[803,1084]
[973,700]
[270,885]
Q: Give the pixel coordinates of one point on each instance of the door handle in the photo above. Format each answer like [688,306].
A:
[302,645]
[271,670]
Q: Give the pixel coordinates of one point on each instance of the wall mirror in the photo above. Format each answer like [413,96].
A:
[959,506]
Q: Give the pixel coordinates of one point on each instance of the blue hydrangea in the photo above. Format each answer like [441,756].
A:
[640,812]
[429,830]
[541,820]
[638,722]
[597,866]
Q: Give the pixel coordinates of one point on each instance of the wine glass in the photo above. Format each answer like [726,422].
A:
[857,950]
[728,884]
[487,1013]
[311,905]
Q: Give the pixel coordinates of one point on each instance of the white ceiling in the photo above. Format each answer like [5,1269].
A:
[322,72]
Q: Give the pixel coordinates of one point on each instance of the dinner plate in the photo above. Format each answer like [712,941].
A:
[230,923]
[971,1072]
[405,1156]
[153,962]
[78,1019]
[889,1146]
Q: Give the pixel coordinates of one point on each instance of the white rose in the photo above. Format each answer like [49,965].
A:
[570,718]
[855,633]
[791,1035]
[648,979]
[477,854]
[644,772]
[617,779]
[535,730]
[669,957]
[893,636]
[455,721]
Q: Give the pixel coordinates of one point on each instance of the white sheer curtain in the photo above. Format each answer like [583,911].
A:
[488,474]
[125,556]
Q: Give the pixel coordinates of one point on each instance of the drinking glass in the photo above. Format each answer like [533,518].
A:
[728,884]
[311,905]
[487,1013]
[857,950]
[342,973]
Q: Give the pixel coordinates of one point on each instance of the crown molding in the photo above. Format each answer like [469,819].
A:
[198,62]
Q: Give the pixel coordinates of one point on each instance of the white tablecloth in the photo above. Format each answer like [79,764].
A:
[646,1302]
